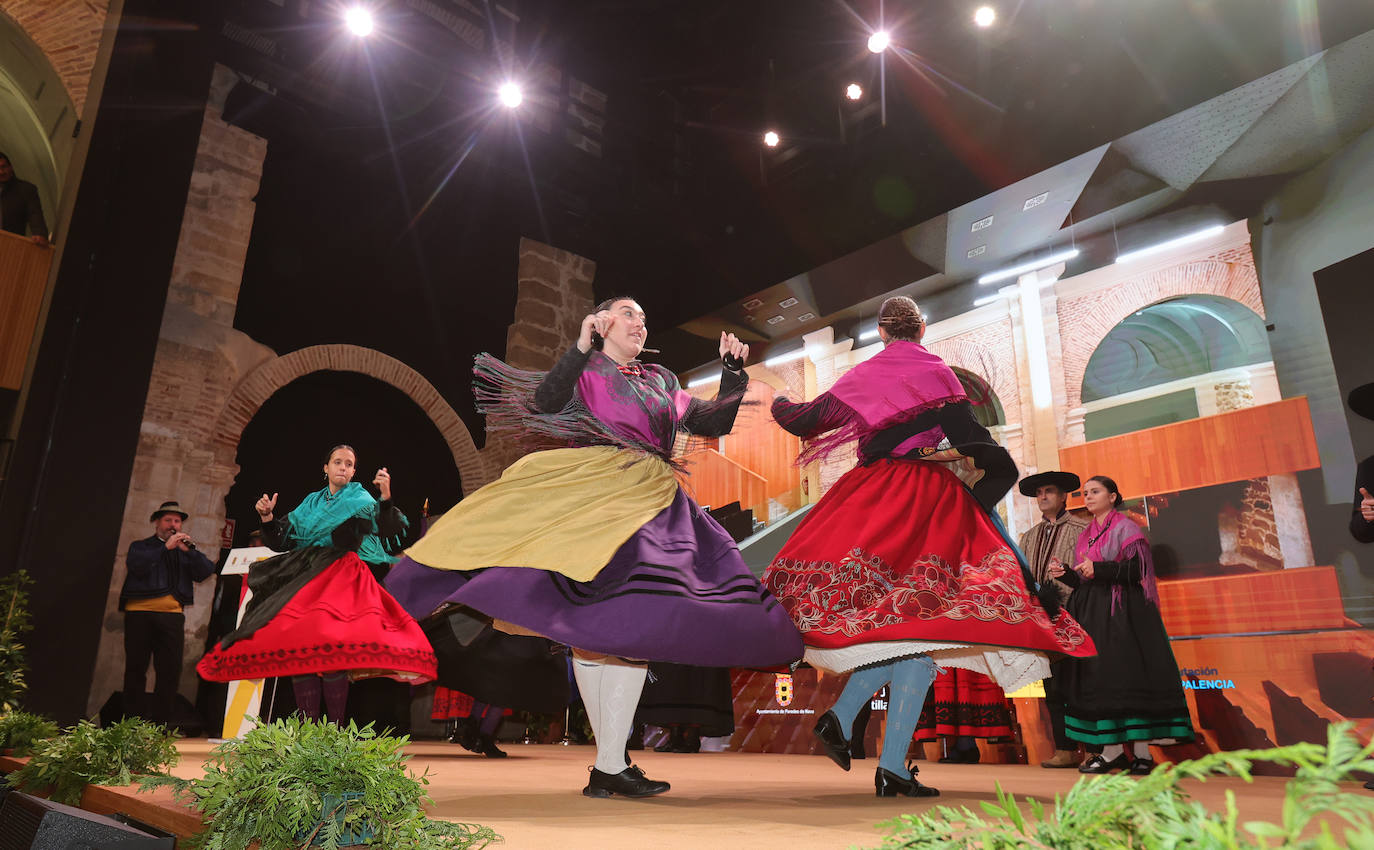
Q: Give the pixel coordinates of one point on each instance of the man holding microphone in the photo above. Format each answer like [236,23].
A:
[161,571]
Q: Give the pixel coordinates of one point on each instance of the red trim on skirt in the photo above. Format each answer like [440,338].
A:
[342,620]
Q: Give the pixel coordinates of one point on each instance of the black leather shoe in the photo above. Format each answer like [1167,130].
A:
[671,743]
[889,784]
[832,739]
[691,741]
[465,733]
[1369,786]
[630,782]
[1097,764]
[486,745]
[1141,767]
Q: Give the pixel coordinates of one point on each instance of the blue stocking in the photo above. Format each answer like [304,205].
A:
[862,685]
[911,678]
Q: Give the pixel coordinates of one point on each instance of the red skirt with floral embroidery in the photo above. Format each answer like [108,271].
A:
[342,620]
[901,551]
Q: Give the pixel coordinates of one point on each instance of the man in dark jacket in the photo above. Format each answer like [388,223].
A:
[162,569]
[19,205]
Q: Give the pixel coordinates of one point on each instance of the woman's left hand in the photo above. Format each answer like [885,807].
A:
[730,344]
[382,481]
[1085,569]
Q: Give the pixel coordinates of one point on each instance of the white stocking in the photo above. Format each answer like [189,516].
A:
[610,688]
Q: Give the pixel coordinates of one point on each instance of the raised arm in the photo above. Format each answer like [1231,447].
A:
[556,390]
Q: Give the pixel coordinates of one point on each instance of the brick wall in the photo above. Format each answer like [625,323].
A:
[68,32]
[1084,320]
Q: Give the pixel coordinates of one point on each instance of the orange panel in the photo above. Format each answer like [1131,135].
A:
[1254,442]
[23,279]
[714,480]
[1284,600]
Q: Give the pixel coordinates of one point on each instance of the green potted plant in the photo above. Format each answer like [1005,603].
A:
[86,754]
[1110,812]
[14,621]
[20,731]
[299,783]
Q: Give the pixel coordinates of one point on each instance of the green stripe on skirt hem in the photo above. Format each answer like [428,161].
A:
[1116,730]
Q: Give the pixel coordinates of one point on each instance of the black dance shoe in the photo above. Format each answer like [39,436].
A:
[1097,764]
[630,782]
[832,739]
[486,745]
[888,784]
[671,744]
[465,733]
[1141,767]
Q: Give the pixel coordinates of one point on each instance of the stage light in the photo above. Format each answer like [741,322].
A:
[359,21]
[771,139]
[510,95]
[786,358]
[1033,265]
[985,16]
[854,91]
[1198,236]
[879,41]
[987,299]
[871,333]
[701,382]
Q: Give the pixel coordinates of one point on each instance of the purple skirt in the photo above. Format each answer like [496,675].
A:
[676,591]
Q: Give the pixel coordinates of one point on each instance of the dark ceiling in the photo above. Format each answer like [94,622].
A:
[396,139]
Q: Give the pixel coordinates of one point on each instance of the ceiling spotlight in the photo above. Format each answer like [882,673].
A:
[510,95]
[985,16]
[771,139]
[879,41]
[854,91]
[359,21]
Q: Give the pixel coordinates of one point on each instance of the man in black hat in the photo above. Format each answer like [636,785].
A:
[161,570]
[1049,548]
[1362,517]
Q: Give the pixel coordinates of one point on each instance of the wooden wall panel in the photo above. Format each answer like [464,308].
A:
[760,445]
[715,480]
[1284,600]
[1270,439]
[23,280]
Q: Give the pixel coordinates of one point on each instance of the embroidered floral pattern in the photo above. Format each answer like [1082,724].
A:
[862,593]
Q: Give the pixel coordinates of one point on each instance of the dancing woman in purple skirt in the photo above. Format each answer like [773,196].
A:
[593,544]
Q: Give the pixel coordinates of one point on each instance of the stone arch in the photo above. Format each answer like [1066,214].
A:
[44,77]
[991,361]
[68,34]
[1085,321]
[262,382]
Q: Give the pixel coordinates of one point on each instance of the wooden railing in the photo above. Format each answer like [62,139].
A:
[714,480]
[1253,442]
[23,280]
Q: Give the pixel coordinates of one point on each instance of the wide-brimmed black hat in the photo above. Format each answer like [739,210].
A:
[1361,401]
[172,507]
[1065,481]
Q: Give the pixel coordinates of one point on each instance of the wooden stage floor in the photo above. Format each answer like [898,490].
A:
[719,800]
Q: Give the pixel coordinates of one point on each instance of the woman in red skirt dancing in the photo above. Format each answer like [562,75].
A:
[318,614]
[900,567]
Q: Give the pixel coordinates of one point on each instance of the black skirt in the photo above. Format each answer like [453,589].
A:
[1132,690]
[689,696]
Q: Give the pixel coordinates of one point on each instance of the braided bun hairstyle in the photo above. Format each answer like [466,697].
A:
[902,319]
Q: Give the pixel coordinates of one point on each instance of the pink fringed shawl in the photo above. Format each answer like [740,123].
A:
[1118,539]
